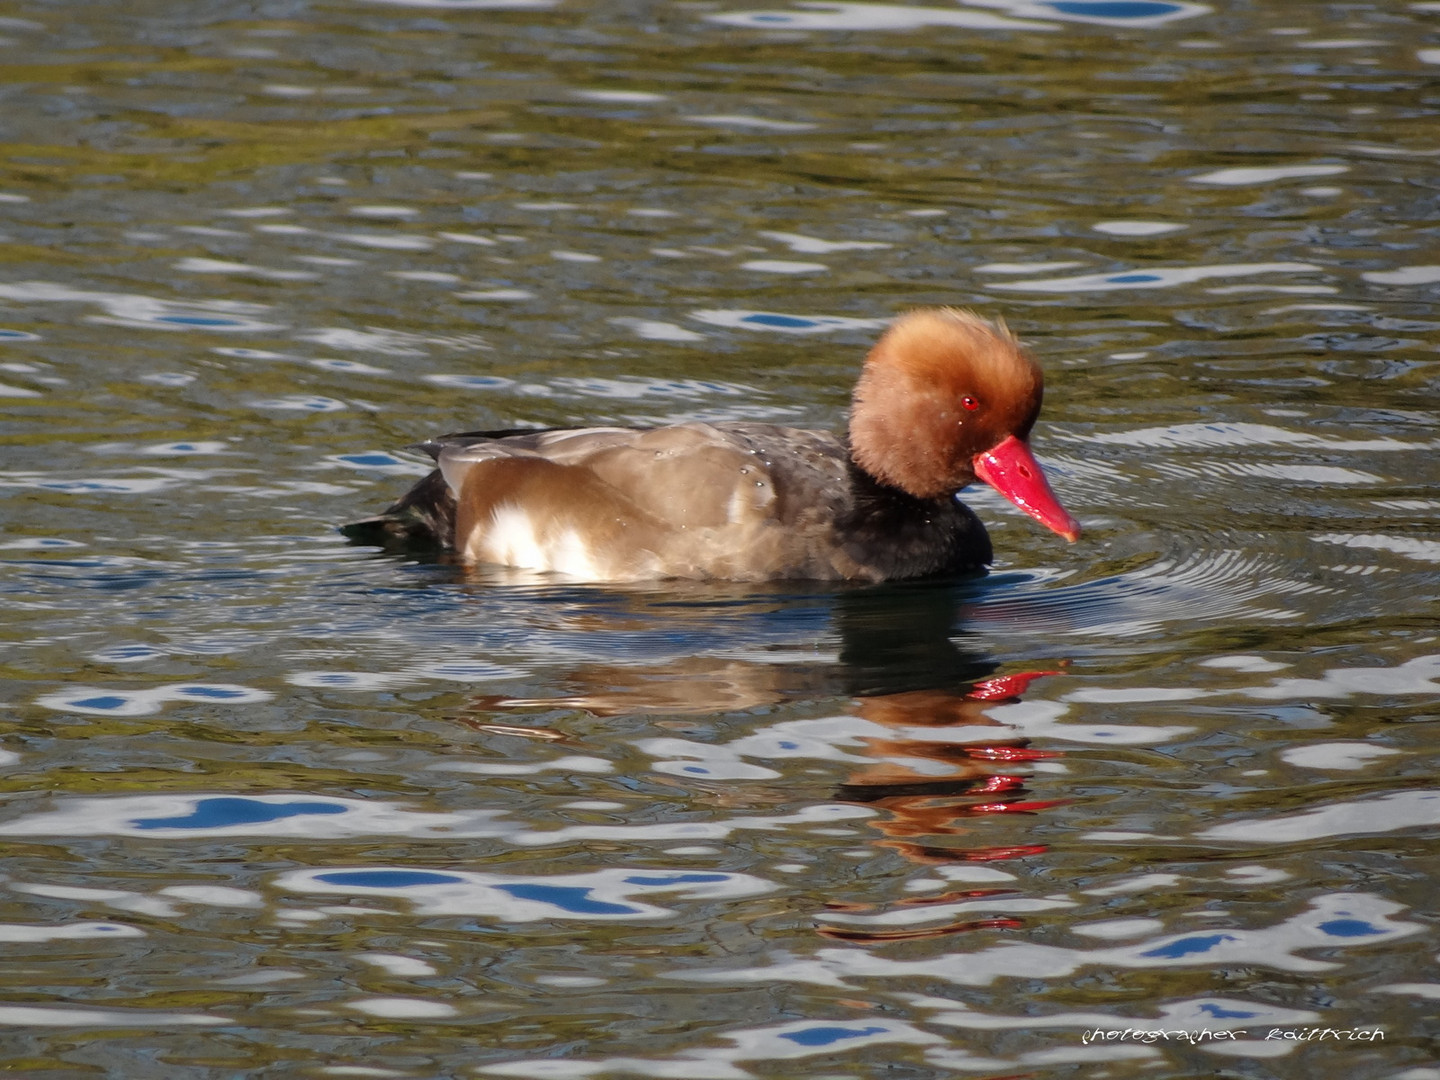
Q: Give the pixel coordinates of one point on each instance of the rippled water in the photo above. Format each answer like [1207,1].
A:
[278,805]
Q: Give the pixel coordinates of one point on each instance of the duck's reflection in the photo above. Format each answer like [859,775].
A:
[929,787]
[904,668]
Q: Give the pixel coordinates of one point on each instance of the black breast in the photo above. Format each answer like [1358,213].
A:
[901,536]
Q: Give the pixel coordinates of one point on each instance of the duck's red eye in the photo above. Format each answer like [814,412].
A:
[970,403]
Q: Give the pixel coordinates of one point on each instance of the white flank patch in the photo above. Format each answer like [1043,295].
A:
[571,556]
[511,541]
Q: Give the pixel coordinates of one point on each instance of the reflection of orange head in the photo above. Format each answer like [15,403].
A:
[861,936]
[934,855]
[933,809]
[924,708]
[929,786]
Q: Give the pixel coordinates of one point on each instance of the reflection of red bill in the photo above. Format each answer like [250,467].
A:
[1012,470]
[1005,686]
[1017,807]
[1009,753]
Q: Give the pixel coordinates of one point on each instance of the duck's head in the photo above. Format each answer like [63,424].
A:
[947,397]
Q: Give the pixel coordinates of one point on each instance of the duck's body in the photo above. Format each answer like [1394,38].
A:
[944,395]
[734,501]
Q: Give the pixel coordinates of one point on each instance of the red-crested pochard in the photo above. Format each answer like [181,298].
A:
[945,397]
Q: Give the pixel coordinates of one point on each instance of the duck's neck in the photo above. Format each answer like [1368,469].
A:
[902,536]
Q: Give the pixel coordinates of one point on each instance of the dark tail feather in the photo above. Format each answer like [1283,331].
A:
[423,518]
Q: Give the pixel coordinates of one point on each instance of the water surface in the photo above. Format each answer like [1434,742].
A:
[278,805]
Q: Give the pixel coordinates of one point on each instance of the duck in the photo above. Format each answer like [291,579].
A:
[945,397]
